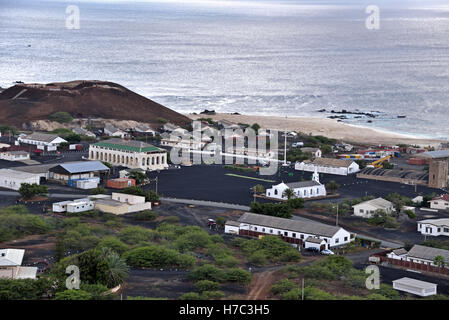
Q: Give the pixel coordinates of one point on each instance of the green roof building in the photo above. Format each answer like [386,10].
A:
[129,153]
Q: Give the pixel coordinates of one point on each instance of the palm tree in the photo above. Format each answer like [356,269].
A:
[289,193]
[439,261]
[258,188]
[118,269]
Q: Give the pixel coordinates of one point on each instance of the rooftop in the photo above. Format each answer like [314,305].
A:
[436,222]
[444,197]
[80,167]
[11,257]
[434,154]
[303,226]
[14,174]
[314,240]
[330,162]
[379,203]
[39,136]
[400,251]
[303,184]
[427,253]
[128,145]
[415,283]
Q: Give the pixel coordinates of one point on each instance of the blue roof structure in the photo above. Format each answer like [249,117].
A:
[81,167]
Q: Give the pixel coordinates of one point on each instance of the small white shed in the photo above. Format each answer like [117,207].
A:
[60,206]
[232,227]
[418,287]
[314,242]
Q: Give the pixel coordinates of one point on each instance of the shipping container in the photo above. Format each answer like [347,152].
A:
[121,183]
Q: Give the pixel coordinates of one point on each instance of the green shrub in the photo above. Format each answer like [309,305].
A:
[208,272]
[135,234]
[113,243]
[295,203]
[61,117]
[258,258]
[282,286]
[146,215]
[190,296]
[293,294]
[158,257]
[73,295]
[207,285]
[410,214]
[237,275]
[212,295]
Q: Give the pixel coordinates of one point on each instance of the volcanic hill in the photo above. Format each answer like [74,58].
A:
[23,103]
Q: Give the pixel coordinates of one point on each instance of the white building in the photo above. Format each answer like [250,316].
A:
[131,154]
[398,254]
[329,166]
[11,265]
[426,255]
[78,205]
[292,231]
[434,227]
[12,179]
[314,242]
[302,189]
[120,203]
[42,140]
[14,155]
[143,129]
[368,208]
[112,131]
[440,203]
[418,287]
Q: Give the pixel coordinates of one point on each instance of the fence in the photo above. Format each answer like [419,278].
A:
[412,265]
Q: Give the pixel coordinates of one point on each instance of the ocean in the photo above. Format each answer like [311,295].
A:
[289,58]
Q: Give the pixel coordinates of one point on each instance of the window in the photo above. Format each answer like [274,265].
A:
[361,211]
[294,235]
[446,229]
[337,240]
[301,236]
[285,233]
[255,228]
[263,229]
[279,232]
[346,238]
[271,230]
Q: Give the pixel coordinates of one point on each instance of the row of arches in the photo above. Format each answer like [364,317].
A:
[128,160]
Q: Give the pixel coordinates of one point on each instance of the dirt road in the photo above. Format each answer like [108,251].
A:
[261,284]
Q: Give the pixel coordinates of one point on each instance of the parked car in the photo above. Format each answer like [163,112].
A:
[297,144]
[327,252]
[313,249]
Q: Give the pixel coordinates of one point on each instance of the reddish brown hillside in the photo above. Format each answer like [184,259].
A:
[23,103]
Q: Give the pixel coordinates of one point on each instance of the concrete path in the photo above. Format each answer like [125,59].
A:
[207,203]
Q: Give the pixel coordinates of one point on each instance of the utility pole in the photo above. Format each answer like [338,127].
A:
[336,222]
[156,184]
[302,291]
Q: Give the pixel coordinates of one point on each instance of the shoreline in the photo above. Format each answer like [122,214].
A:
[331,128]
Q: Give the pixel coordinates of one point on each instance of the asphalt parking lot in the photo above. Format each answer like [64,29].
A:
[212,182]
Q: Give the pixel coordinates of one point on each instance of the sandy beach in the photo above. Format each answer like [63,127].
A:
[330,128]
